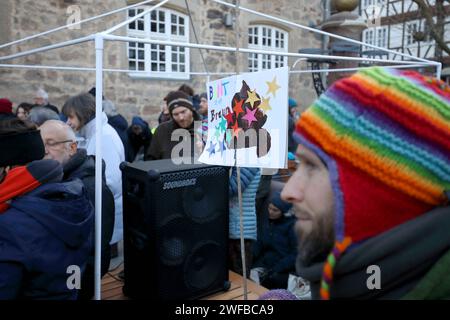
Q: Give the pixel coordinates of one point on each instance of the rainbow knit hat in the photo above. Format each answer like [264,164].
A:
[385,137]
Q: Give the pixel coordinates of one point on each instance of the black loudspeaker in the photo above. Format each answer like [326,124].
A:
[175,230]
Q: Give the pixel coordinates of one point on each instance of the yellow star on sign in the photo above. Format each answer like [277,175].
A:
[273,86]
[265,104]
[252,98]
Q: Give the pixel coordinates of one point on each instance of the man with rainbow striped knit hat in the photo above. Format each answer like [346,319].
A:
[371,193]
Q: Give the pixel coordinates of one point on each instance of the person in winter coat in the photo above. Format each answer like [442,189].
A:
[120,124]
[140,138]
[183,117]
[59,141]
[276,250]
[249,185]
[45,224]
[6,109]
[80,112]
[371,193]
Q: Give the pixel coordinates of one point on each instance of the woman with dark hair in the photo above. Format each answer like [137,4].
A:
[80,113]
[23,110]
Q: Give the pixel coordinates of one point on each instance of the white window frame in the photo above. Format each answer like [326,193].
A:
[373,36]
[265,61]
[169,73]
[409,33]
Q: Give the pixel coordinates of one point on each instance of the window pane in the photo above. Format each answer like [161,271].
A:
[132,44]
[174,29]
[182,58]
[181,49]
[161,15]
[141,45]
[141,25]
[154,56]
[174,67]
[181,20]
[162,28]
[181,31]
[154,67]
[141,55]
[182,68]
[132,65]
[162,67]
[140,10]
[153,15]
[153,27]
[131,54]
[132,25]
[131,13]
[173,18]
[162,56]
[141,66]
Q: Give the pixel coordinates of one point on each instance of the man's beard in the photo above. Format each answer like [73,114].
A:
[315,246]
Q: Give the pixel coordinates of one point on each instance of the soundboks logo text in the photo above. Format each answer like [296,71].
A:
[179,184]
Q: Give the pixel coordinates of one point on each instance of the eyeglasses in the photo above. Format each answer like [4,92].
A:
[52,144]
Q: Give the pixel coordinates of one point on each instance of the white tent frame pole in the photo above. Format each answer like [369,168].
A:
[233,49]
[49,47]
[14,66]
[438,70]
[317,30]
[359,68]
[99,51]
[74,24]
[128,21]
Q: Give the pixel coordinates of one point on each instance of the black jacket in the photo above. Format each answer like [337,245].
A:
[404,255]
[162,144]
[82,166]
[276,248]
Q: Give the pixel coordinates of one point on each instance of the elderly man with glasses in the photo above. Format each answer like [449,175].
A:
[60,145]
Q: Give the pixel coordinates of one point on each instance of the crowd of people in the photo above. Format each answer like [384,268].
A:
[371,188]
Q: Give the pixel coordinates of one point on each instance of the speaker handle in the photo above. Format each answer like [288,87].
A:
[153,175]
[123,165]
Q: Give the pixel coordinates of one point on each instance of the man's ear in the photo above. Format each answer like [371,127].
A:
[73,148]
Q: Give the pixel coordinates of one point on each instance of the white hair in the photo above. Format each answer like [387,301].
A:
[109,108]
[60,125]
[41,93]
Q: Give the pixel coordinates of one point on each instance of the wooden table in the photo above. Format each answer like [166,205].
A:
[112,288]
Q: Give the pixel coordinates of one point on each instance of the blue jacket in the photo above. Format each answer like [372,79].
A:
[276,250]
[249,182]
[43,233]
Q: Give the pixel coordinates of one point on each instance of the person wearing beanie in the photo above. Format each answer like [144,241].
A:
[371,193]
[140,137]
[80,113]
[45,224]
[276,249]
[203,110]
[6,109]
[182,116]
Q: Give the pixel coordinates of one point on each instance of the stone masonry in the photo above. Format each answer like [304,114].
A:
[21,18]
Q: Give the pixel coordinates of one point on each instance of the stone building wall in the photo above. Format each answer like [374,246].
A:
[21,18]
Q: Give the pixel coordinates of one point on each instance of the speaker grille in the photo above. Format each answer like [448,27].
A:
[184,215]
